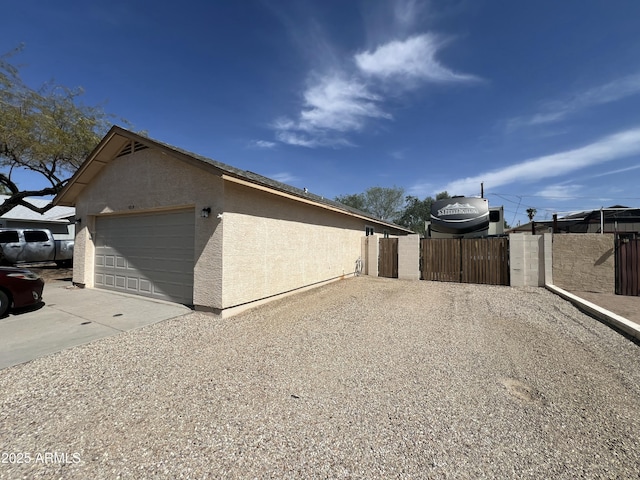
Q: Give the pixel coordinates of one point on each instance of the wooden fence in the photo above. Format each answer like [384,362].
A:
[628,265]
[388,258]
[465,260]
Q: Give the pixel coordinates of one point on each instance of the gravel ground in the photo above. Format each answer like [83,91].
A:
[364,378]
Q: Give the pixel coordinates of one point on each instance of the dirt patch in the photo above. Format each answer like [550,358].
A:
[523,392]
[50,272]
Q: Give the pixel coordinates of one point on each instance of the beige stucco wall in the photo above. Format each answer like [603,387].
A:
[584,262]
[274,244]
[150,181]
[262,245]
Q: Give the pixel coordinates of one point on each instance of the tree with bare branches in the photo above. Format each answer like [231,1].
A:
[48,131]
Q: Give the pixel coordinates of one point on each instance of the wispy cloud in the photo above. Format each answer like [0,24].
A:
[405,12]
[613,172]
[612,147]
[410,59]
[284,177]
[398,154]
[332,105]
[555,111]
[560,192]
[265,144]
[346,96]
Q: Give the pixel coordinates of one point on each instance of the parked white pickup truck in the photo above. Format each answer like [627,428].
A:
[26,245]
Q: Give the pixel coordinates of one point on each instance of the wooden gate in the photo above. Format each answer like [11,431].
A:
[627,265]
[465,260]
[388,258]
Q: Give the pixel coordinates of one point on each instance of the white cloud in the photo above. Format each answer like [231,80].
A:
[609,148]
[413,58]
[262,144]
[610,92]
[338,103]
[297,140]
[560,192]
[613,172]
[333,105]
[556,111]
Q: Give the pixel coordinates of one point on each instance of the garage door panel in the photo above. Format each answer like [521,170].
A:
[132,284]
[145,286]
[150,255]
[143,264]
[168,278]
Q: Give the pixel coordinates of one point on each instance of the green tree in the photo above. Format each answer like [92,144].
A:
[47,131]
[384,203]
[355,200]
[381,202]
[416,212]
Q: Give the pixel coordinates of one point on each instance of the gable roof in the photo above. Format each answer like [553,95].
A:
[119,141]
[56,214]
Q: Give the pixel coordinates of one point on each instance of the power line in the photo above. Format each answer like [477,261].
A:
[515,214]
[553,197]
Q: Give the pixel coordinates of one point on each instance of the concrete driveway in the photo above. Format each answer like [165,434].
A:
[71,316]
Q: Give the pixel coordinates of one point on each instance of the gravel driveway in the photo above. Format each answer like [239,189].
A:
[364,378]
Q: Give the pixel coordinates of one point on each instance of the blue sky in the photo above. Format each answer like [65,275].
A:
[540,100]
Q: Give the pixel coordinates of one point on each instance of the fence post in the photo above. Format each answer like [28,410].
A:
[373,252]
[548,258]
[409,257]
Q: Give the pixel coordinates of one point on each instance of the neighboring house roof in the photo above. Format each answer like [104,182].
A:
[119,141]
[616,213]
[56,214]
[526,227]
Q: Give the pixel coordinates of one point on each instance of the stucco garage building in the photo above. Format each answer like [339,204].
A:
[158,221]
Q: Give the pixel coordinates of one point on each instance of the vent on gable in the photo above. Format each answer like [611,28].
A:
[131,147]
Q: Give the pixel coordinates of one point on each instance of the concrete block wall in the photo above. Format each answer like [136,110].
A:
[574,262]
[373,251]
[584,262]
[409,257]
[526,260]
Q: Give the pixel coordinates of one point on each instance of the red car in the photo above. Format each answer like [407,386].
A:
[19,288]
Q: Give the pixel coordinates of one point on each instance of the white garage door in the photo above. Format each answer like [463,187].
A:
[150,254]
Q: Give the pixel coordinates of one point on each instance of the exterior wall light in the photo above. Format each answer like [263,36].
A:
[205,212]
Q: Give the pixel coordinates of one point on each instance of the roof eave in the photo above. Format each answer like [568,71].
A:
[103,153]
